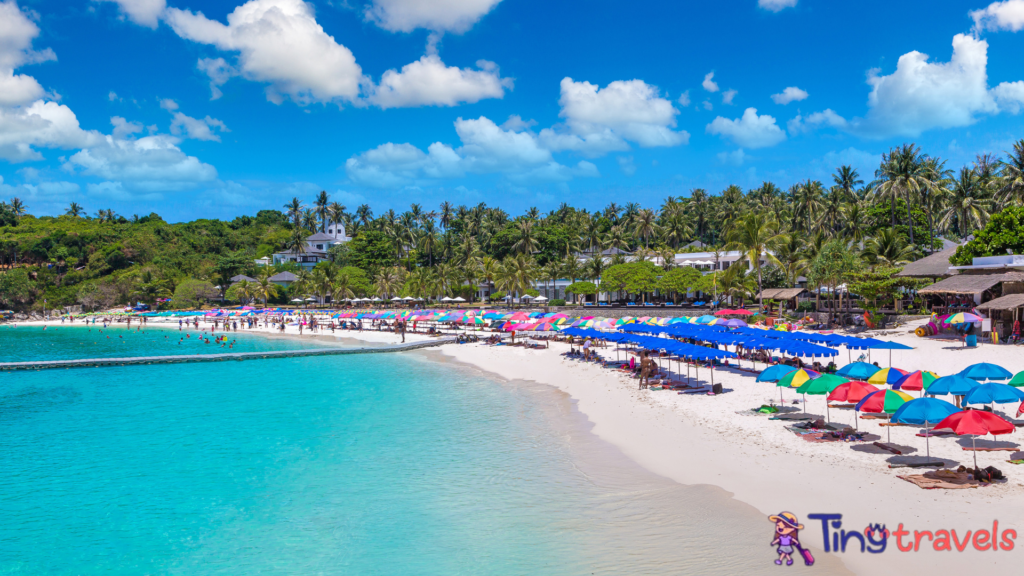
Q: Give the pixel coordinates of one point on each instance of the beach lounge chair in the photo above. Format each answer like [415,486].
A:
[602,303]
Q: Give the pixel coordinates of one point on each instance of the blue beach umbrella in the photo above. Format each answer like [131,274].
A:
[923,411]
[998,393]
[858,370]
[774,373]
[956,384]
[890,346]
[986,371]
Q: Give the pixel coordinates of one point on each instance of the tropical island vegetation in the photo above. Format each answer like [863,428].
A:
[846,230]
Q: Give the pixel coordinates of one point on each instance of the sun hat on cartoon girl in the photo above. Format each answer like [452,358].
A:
[788,518]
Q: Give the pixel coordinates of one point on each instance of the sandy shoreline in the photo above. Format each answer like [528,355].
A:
[698,439]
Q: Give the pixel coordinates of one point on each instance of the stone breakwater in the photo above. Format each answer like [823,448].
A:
[239,356]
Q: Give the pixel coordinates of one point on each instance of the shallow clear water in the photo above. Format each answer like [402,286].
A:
[377,464]
[73,342]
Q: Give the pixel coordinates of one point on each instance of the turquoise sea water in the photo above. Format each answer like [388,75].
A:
[377,464]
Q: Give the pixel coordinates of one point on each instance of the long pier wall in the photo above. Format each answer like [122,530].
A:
[237,356]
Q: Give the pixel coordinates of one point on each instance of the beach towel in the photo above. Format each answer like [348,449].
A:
[945,479]
[1016,461]
[916,465]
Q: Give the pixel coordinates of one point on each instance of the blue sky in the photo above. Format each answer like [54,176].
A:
[220,108]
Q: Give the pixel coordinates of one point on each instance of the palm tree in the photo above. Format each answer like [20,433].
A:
[446,214]
[342,287]
[847,179]
[645,225]
[552,272]
[293,209]
[321,205]
[17,206]
[151,288]
[611,212]
[388,281]
[364,214]
[265,289]
[309,218]
[533,213]
[887,248]
[336,213]
[1011,190]
[297,241]
[700,206]
[757,237]
[808,203]
[904,173]
[854,221]
[527,240]
[74,210]
[967,208]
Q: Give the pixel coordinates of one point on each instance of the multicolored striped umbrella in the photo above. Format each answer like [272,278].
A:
[887,376]
[918,380]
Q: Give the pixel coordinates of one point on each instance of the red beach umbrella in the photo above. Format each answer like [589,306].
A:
[976,423]
[852,392]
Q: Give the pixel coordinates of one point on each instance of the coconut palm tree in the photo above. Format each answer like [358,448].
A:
[887,248]
[321,205]
[967,208]
[293,209]
[74,210]
[757,237]
[336,213]
[17,206]
[388,281]
[1011,183]
[847,179]
[645,225]
[527,241]
[364,214]
[309,219]
[150,288]
[904,173]
[265,289]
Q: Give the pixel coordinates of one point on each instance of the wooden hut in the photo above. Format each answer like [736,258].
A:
[1004,312]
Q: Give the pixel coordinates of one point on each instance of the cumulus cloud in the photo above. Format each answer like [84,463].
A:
[1010,96]
[142,12]
[790,94]
[601,120]
[1006,15]
[17,32]
[922,95]
[219,72]
[776,5]
[440,15]
[486,149]
[42,124]
[149,164]
[684,99]
[734,158]
[826,117]
[280,43]
[749,130]
[124,128]
[428,82]
[728,95]
[189,127]
[708,83]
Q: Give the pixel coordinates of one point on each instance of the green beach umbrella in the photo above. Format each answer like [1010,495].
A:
[820,386]
[795,379]
[1017,380]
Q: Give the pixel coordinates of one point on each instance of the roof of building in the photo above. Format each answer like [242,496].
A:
[780,293]
[970,283]
[284,277]
[241,277]
[320,236]
[1008,302]
[306,252]
[932,266]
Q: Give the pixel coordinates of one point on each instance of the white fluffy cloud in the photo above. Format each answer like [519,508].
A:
[922,95]
[279,42]
[684,99]
[728,95]
[1006,15]
[16,34]
[189,127]
[600,120]
[749,130]
[42,124]
[437,15]
[1010,96]
[826,117]
[709,83]
[428,82]
[776,5]
[142,12]
[790,94]
[486,149]
[149,164]
[219,72]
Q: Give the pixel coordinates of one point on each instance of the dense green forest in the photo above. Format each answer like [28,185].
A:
[849,229]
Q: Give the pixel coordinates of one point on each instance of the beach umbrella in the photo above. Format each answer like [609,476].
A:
[742,312]
[706,319]
[956,384]
[887,376]
[986,371]
[1017,380]
[725,312]
[989,393]
[821,386]
[918,380]
[733,323]
[797,378]
[888,401]
[860,370]
[773,373]
[544,326]
[976,423]
[890,346]
[923,411]
[853,391]
[962,318]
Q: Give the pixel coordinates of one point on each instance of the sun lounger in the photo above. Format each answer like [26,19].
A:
[886,447]
[934,433]
[946,479]
[917,465]
[874,416]
[698,391]
[969,449]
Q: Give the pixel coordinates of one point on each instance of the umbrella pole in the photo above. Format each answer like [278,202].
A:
[975,450]
[927,436]
[828,415]
[856,424]
[888,437]
[805,403]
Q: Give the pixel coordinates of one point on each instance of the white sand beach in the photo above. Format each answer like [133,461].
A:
[702,439]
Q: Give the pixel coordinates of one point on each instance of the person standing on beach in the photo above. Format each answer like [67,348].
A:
[401,328]
[645,370]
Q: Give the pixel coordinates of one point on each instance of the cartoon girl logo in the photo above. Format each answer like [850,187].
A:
[787,531]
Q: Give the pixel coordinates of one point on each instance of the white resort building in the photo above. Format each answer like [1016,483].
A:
[315,250]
